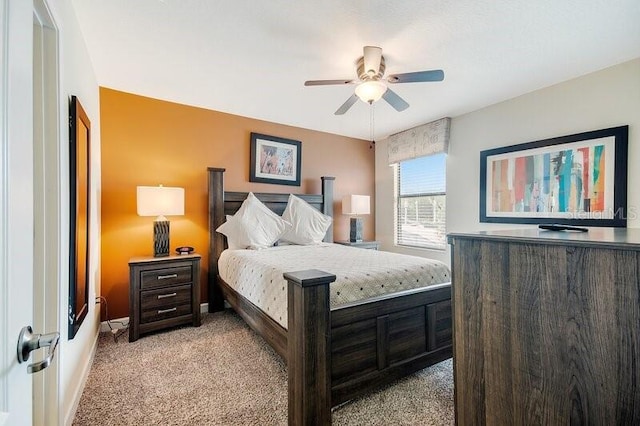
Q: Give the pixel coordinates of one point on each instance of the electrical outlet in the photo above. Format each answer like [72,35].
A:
[97,300]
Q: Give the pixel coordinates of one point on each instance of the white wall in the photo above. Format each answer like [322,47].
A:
[607,98]
[77,78]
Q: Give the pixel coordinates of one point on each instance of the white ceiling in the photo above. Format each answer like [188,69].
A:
[251,57]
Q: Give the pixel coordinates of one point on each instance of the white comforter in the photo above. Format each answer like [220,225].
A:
[360,273]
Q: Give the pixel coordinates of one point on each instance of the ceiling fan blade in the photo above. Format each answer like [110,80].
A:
[417,77]
[326,82]
[395,100]
[348,104]
[372,57]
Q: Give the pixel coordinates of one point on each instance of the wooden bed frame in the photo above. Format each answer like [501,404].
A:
[333,354]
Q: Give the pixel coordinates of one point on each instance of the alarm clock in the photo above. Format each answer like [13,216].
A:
[184,250]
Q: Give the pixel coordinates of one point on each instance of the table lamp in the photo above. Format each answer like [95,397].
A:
[160,201]
[355,205]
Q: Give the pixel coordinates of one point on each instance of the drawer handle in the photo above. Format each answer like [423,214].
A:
[164,296]
[164,277]
[164,311]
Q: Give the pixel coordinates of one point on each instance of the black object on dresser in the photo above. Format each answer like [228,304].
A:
[163,292]
[371,245]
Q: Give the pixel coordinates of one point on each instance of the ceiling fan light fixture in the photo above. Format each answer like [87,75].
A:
[372,85]
[371,91]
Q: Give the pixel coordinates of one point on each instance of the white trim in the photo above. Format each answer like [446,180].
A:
[47,213]
[69,416]
[4,216]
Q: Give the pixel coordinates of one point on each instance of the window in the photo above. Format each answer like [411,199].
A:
[421,202]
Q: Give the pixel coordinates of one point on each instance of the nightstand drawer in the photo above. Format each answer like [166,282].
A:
[165,313]
[164,303]
[165,297]
[165,277]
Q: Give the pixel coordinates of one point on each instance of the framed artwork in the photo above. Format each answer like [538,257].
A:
[79,138]
[578,179]
[275,160]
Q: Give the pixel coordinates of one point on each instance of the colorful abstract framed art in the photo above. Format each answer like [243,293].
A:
[275,160]
[578,179]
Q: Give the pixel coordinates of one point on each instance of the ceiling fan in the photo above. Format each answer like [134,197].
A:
[370,84]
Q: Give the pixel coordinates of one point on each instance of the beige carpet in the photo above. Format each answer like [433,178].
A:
[222,373]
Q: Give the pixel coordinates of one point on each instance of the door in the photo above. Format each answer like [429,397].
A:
[18,195]
[16,207]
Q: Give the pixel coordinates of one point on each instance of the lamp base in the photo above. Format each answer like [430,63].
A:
[355,234]
[160,238]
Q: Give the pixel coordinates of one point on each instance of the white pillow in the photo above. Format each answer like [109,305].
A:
[233,231]
[254,226]
[308,225]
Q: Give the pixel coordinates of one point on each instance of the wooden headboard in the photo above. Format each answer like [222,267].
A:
[222,203]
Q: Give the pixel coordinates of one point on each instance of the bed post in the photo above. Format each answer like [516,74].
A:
[327,204]
[216,240]
[309,350]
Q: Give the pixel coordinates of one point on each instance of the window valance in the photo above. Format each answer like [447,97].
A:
[427,139]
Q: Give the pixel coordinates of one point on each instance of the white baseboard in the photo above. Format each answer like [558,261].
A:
[71,414]
[119,323]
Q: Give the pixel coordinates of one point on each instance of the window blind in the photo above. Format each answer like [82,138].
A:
[421,202]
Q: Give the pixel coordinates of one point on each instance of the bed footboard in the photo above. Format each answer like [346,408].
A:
[335,355]
[308,336]
[389,337]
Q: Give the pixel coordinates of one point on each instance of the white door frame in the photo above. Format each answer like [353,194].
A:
[47,243]
[18,193]
[4,246]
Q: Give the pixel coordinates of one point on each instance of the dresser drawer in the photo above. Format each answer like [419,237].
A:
[165,297]
[164,303]
[165,277]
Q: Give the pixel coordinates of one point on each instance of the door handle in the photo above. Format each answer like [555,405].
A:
[29,342]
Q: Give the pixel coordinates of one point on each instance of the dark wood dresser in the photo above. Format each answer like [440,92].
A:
[547,327]
[163,292]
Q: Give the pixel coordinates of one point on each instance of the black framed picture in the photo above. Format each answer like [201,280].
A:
[79,161]
[275,160]
[578,179]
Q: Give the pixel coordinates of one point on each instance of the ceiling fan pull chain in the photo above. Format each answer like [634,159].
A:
[372,122]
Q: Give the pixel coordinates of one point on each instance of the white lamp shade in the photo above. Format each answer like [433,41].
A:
[356,204]
[160,201]
[370,91]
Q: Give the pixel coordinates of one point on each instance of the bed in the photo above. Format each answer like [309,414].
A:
[335,351]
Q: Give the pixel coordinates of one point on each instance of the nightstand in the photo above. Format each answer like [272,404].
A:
[163,292]
[371,245]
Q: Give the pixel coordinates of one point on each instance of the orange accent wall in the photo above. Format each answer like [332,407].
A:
[147,141]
